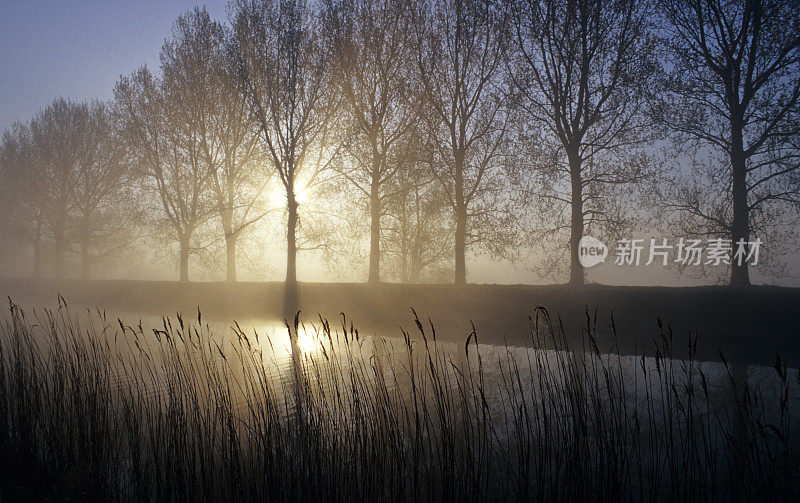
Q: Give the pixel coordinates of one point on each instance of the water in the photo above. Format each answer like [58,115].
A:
[635,377]
[638,376]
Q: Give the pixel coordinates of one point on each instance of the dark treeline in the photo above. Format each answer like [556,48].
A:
[445,128]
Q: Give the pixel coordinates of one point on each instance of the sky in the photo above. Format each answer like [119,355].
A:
[78,49]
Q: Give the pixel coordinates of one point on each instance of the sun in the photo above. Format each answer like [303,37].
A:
[302,193]
[301,190]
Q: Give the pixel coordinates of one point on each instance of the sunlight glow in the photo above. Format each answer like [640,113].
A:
[278,341]
[277,195]
[306,342]
[301,191]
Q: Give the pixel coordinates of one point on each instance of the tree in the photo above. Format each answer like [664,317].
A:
[59,136]
[23,191]
[284,68]
[583,70]
[735,85]
[419,244]
[459,54]
[164,144]
[217,118]
[379,100]
[67,174]
[102,217]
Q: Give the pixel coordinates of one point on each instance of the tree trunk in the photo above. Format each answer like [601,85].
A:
[576,276]
[184,260]
[58,238]
[290,299]
[37,252]
[460,247]
[404,275]
[375,232]
[85,258]
[415,268]
[404,241]
[740,229]
[461,220]
[230,250]
[85,248]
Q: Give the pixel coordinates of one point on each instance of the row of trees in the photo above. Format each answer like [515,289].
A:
[444,122]
[64,179]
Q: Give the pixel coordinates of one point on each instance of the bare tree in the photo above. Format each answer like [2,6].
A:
[583,70]
[164,144]
[735,85]
[23,192]
[59,136]
[380,101]
[284,67]
[419,242]
[460,54]
[242,170]
[67,174]
[101,206]
[218,119]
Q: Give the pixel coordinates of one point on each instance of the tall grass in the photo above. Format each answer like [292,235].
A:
[112,411]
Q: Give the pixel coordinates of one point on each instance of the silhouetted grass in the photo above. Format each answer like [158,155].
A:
[122,413]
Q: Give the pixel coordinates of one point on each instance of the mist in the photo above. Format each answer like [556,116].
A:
[400,250]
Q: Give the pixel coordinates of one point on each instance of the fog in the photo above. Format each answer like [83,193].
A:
[399,250]
[126,216]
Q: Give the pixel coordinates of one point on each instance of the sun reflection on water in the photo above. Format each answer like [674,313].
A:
[305,341]
[278,340]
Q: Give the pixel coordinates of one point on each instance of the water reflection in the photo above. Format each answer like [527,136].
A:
[390,358]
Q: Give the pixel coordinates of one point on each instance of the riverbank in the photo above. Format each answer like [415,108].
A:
[750,325]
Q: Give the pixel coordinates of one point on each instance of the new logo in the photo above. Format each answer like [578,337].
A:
[591,251]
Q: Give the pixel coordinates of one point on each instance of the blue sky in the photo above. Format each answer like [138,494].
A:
[78,49]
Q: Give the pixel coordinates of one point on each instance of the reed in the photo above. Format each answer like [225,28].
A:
[110,411]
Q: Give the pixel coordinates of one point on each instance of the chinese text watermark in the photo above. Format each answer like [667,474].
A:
[685,252]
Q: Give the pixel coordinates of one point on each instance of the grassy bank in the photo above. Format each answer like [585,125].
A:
[119,412]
